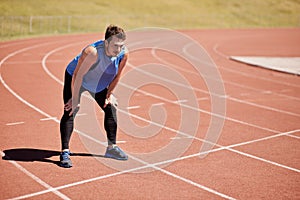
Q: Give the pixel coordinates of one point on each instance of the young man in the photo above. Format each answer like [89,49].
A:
[96,70]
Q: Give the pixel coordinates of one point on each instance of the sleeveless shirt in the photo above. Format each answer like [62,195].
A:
[102,72]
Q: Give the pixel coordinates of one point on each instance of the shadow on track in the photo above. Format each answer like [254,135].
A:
[40,155]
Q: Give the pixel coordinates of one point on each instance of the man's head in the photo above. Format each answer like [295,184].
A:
[114,40]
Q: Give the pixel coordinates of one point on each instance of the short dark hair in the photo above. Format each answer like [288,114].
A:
[112,30]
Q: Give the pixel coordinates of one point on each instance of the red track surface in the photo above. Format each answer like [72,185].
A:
[260,158]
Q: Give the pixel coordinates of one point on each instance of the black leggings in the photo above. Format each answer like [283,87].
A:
[67,122]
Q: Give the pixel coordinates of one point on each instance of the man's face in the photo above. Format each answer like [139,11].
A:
[114,47]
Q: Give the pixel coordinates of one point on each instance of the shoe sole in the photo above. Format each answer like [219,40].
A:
[109,156]
[65,165]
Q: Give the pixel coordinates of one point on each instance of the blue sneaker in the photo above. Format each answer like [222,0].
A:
[115,152]
[65,160]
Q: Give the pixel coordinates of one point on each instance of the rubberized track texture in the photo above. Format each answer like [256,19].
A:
[257,155]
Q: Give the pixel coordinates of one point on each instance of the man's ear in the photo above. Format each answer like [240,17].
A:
[106,42]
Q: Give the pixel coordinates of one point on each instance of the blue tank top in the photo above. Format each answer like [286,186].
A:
[101,74]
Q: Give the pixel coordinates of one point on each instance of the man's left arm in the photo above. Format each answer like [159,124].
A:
[114,83]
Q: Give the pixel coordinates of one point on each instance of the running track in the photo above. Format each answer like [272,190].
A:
[256,157]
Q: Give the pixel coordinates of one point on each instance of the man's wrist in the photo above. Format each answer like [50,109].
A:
[108,94]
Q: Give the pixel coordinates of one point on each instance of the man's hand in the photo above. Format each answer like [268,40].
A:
[112,100]
[69,106]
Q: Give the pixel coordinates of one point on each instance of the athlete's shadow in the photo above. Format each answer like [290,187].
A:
[32,155]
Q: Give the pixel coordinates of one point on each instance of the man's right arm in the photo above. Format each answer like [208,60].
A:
[87,59]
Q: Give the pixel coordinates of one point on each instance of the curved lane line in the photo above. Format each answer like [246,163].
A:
[35,178]
[215,48]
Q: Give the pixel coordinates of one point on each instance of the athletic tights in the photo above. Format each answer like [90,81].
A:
[67,122]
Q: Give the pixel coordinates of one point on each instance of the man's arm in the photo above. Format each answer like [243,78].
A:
[87,59]
[114,83]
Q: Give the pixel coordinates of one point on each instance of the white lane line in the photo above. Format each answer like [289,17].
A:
[264,138]
[158,104]
[14,123]
[133,107]
[230,148]
[23,62]
[31,62]
[176,138]
[265,107]
[35,178]
[265,160]
[196,184]
[202,98]
[267,92]
[215,48]
[182,137]
[51,52]
[48,118]
[81,114]
[294,136]
[13,43]
[180,101]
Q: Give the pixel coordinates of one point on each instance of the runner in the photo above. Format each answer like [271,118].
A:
[96,70]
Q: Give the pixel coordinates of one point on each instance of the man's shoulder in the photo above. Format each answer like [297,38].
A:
[98,44]
[90,50]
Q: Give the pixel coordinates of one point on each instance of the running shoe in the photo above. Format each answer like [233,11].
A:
[65,160]
[115,152]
